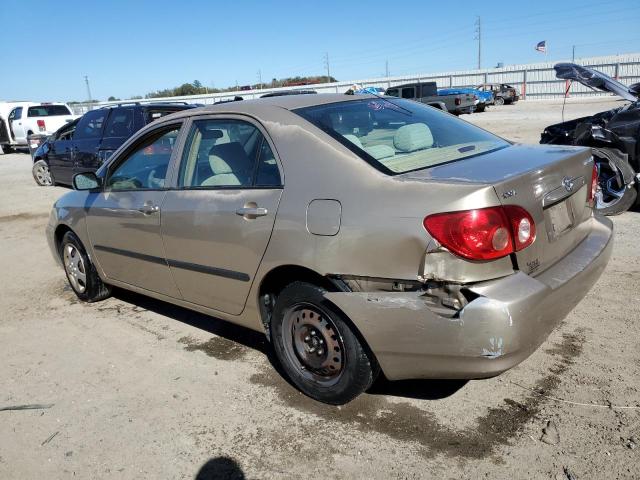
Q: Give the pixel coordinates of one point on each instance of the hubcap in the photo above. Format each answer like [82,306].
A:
[313,344]
[611,185]
[75,268]
[43,175]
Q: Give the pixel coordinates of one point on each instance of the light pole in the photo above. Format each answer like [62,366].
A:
[89,99]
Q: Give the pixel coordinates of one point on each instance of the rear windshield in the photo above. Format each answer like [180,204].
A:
[401,136]
[48,111]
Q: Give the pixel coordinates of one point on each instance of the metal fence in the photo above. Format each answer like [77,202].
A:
[534,81]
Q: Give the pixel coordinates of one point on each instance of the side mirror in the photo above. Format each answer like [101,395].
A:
[86,181]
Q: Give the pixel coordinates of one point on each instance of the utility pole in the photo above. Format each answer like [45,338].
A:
[573,55]
[479,38]
[89,100]
[386,68]
[326,64]
[259,79]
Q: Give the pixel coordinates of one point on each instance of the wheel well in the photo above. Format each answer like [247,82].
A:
[60,232]
[278,278]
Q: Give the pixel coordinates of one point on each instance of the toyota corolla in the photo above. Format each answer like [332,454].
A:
[360,234]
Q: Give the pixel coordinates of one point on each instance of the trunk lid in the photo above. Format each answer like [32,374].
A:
[550,182]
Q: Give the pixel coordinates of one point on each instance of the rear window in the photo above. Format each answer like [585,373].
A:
[400,136]
[48,111]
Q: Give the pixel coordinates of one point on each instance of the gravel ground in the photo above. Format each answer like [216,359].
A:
[142,389]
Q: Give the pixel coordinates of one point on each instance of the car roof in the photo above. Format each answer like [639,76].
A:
[259,106]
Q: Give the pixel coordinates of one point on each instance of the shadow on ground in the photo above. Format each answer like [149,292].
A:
[220,468]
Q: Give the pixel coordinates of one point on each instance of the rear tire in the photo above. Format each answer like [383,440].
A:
[81,272]
[41,173]
[318,348]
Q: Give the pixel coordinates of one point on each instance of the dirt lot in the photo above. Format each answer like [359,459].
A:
[142,389]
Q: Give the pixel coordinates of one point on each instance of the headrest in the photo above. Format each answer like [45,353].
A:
[211,134]
[415,136]
[229,158]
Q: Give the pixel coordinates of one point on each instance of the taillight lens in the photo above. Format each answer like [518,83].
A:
[458,101]
[483,233]
[594,186]
[41,125]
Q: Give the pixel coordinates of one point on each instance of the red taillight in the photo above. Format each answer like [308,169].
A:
[458,101]
[41,125]
[594,185]
[484,233]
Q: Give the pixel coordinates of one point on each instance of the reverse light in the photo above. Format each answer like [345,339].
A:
[458,101]
[483,233]
[41,125]
[591,197]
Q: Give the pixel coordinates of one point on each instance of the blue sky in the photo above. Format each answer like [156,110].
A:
[131,47]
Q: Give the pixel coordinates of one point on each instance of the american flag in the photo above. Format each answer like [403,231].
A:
[542,46]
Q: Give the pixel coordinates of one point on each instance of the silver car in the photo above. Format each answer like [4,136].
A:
[360,234]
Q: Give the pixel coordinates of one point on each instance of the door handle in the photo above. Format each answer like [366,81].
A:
[251,212]
[149,208]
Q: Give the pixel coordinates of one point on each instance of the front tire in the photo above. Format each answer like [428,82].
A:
[499,101]
[317,347]
[81,272]
[41,173]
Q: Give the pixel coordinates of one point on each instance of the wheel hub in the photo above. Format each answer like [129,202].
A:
[313,343]
[74,266]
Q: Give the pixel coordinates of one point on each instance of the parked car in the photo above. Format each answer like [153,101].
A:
[483,98]
[28,118]
[427,92]
[503,94]
[84,144]
[613,135]
[423,248]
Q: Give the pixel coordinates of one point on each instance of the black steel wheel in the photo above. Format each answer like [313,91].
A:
[318,348]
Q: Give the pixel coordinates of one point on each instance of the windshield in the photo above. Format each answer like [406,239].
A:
[401,136]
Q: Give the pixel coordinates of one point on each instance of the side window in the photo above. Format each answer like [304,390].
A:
[120,123]
[408,92]
[90,125]
[393,92]
[268,174]
[66,133]
[16,114]
[220,153]
[146,167]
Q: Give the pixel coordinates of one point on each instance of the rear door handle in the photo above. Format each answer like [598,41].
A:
[149,208]
[251,212]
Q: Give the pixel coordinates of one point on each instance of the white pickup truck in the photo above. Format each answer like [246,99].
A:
[21,119]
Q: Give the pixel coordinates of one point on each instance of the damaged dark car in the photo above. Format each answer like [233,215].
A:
[613,135]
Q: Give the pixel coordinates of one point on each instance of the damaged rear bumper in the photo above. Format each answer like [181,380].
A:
[502,326]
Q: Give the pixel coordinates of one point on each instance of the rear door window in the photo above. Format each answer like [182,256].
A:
[16,114]
[120,123]
[227,153]
[409,92]
[90,125]
[156,113]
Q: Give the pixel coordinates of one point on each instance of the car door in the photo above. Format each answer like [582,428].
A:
[123,220]
[217,222]
[120,125]
[15,125]
[86,141]
[59,155]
